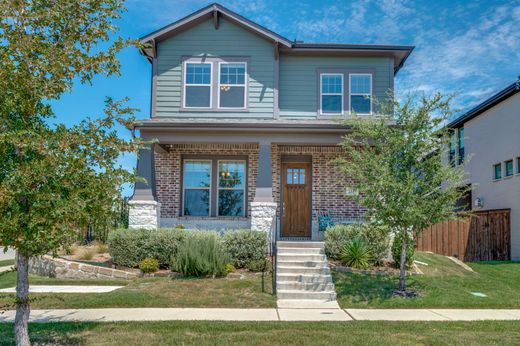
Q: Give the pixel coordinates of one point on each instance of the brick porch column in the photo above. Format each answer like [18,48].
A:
[263,207]
[144,210]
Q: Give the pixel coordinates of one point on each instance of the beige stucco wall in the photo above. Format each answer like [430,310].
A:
[490,138]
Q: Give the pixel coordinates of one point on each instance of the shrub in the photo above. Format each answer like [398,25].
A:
[100,247]
[230,268]
[258,265]
[128,247]
[86,254]
[149,265]
[396,250]
[356,254]
[375,237]
[245,246]
[201,254]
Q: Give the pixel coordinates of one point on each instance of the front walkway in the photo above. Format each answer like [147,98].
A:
[306,314]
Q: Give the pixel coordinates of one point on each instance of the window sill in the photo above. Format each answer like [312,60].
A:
[226,218]
[508,177]
[497,180]
[213,110]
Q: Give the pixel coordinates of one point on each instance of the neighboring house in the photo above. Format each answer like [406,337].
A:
[489,135]
[245,123]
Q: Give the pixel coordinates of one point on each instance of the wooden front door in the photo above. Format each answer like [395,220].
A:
[296,199]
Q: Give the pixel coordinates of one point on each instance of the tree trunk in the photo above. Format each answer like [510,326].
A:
[402,267]
[21,330]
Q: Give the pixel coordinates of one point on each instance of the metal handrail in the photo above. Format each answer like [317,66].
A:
[273,250]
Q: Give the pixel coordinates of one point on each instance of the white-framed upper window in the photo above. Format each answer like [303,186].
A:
[231,192]
[196,188]
[331,93]
[232,85]
[197,85]
[360,93]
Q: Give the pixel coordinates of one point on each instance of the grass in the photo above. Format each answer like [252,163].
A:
[6,263]
[152,292]
[443,285]
[270,333]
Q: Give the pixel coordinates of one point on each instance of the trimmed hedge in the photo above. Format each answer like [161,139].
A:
[128,247]
[245,246]
[375,237]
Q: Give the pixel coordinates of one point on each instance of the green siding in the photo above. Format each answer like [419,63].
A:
[228,40]
[299,93]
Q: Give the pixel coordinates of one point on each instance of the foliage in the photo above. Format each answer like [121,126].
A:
[396,250]
[396,162]
[356,254]
[149,265]
[128,247]
[258,265]
[230,268]
[100,247]
[86,254]
[376,238]
[201,254]
[245,246]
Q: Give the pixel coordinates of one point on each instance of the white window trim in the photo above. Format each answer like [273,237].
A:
[231,188]
[197,188]
[245,85]
[350,93]
[505,168]
[332,94]
[185,84]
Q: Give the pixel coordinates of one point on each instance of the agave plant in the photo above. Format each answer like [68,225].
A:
[356,254]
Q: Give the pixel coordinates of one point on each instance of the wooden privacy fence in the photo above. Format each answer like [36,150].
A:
[484,236]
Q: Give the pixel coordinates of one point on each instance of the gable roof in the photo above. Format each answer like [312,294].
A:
[502,95]
[216,11]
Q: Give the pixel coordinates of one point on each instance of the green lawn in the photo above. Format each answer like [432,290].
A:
[6,263]
[153,292]
[443,285]
[271,333]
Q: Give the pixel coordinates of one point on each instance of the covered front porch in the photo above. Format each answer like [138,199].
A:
[272,180]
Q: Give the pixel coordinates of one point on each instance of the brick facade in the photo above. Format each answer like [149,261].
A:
[328,183]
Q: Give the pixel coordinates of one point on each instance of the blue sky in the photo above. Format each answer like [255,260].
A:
[468,47]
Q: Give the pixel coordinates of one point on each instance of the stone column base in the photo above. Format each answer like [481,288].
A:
[144,214]
[262,216]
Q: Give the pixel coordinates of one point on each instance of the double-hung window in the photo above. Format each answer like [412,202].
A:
[509,168]
[452,151]
[197,85]
[231,188]
[497,171]
[232,89]
[196,187]
[331,87]
[360,93]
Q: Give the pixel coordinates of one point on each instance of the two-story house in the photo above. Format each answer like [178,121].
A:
[245,123]
[489,135]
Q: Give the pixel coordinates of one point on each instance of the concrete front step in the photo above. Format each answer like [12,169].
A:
[299,251]
[301,244]
[301,257]
[304,278]
[307,264]
[302,270]
[311,286]
[297,294]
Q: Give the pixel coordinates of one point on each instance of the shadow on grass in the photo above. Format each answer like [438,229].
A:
[367,289]
[51,333]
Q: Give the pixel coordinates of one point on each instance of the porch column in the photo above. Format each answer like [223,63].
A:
[263,207]
[144,210]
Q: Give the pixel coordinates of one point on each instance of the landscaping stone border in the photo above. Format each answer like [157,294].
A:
[60,268]
[342,269]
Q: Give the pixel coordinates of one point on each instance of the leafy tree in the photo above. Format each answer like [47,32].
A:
[54,178]
[396,163]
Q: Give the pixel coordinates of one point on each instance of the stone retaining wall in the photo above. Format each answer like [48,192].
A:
[60,268]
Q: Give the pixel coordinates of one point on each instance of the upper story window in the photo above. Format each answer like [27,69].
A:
[197,85]
[361,93]
[453,144]
[331,88]
[509,168]
[518,165]
[497,171]
[460,142]
[232,85]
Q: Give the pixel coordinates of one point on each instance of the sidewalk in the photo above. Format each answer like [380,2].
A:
[281,314]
